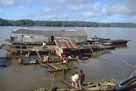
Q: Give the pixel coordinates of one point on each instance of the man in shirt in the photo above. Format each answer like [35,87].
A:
[81,79]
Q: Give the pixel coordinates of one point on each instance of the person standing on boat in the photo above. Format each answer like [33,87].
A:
[43,45]
[81,79]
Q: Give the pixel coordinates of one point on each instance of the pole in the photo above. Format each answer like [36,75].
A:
[53,80]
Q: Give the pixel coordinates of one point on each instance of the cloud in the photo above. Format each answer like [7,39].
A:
[75,7]
[9,3]
[28,1]
[68,1]
[82,10]
[124,9]
[48,11]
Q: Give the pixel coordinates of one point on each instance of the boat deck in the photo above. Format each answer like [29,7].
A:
[24,48]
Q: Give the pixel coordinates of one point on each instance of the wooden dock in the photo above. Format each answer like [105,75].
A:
[25,48]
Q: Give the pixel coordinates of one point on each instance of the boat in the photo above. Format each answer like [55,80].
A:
[3,61]
[23,36]
[28,61]
[70,47]
[96,46]
[97,39]
[116,42]
[128,84]
[108,40]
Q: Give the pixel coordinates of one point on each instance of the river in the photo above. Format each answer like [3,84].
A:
[17,77]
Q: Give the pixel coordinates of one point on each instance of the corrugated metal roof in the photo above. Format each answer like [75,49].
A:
[66,43]
[50,32]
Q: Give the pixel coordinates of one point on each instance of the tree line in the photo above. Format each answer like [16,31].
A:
[27,22]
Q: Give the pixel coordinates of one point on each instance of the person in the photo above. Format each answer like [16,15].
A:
[46,59]
[72,80]
[54,60]
[81,79]
[43,45]
[28,54]
[20,60]
[75,79]
[69,58]
[77,57]
[21,53]
[53,50]
[64,59]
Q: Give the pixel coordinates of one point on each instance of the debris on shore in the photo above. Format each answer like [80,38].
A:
[88,86]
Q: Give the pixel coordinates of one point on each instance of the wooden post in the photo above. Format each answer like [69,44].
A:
[53,80]
[90,48]
[38,55]
[64,74]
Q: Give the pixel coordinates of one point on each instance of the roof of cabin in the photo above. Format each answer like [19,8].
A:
[50,32]
[66,43]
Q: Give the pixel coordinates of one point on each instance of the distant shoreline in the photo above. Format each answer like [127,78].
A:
[27,22]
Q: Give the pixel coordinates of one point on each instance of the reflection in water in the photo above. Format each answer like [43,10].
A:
[99,53]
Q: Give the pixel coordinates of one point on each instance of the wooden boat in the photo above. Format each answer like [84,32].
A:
[37,37]
[96,46]
[116,42]
[3,61]
[87,50]
[108,40]
[97,39]
[128,84]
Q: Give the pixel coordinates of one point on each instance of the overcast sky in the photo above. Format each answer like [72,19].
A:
[71,10]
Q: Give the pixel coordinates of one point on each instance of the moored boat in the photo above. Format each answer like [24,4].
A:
[102,46]
[108,40]
[116,42]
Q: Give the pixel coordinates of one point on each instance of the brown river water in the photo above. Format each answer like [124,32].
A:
[106,66]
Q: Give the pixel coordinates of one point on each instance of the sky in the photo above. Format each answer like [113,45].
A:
[70,10]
